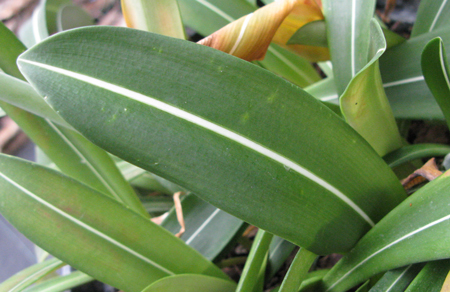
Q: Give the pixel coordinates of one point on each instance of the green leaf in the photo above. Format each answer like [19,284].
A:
[208,229]
[436,73]
[432,15]
[397,280]
[348,35]
[61,283]
[431,277]
[30,275]
[401,238]
[158,16]
[311,34]
[208,16]
[279,251]
[364,103]
[64,215]
[191,283]
[255,260]
[218,139]
[413,152]
[297,271]
[71,16]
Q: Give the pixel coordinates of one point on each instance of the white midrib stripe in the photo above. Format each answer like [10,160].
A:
[441,59]
[353,38]
[398,278]
[209,126]
[200,229]
[388,246]
[60,286]
[403,81]
[42,271]
[85,160]
[216,10]
[438,14]
[241,33]
[85,226]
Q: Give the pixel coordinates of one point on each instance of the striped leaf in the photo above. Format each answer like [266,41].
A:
[415,231]
[233,139]
[432,15]
[431,278]
[348,25]
[90,231]
[397,280]
[208,230]
[61,283]
[416,151]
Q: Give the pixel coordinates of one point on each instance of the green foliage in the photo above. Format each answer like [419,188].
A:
[243,143]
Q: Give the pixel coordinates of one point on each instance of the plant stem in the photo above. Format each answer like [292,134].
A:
[252,267]
[297,271]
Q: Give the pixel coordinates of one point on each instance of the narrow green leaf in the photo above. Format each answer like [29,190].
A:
[436,73]
[297,271]
[61,283]
[208,16]
[208,229]
[158,16]
[191,283]
[401,238]
[279,251]
[413,152]
[364,103]
[432,15]
[30,275]
[348,25]
[228,150]
[397,280]
[256,257]
[431,277]
[64,214]
[313,280]
[311,34]
[22,95]
[11,49]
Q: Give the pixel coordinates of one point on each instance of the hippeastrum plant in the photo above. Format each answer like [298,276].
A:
[243,126]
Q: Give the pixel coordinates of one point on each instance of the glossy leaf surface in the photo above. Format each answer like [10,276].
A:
[432,15]
[191,283]
[401,238]
[64,215]
[219,139]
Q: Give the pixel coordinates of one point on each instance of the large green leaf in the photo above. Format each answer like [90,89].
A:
[364,103]
[234,139]
[436,73]
[415,231]
[90,231]
[191,283]
[208,229]
[432,15]
[71,152]
[348,25]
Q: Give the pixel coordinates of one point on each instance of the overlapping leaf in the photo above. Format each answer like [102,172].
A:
[233,139]
[415,231]
[397,280]
[191,283]
[90,231]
